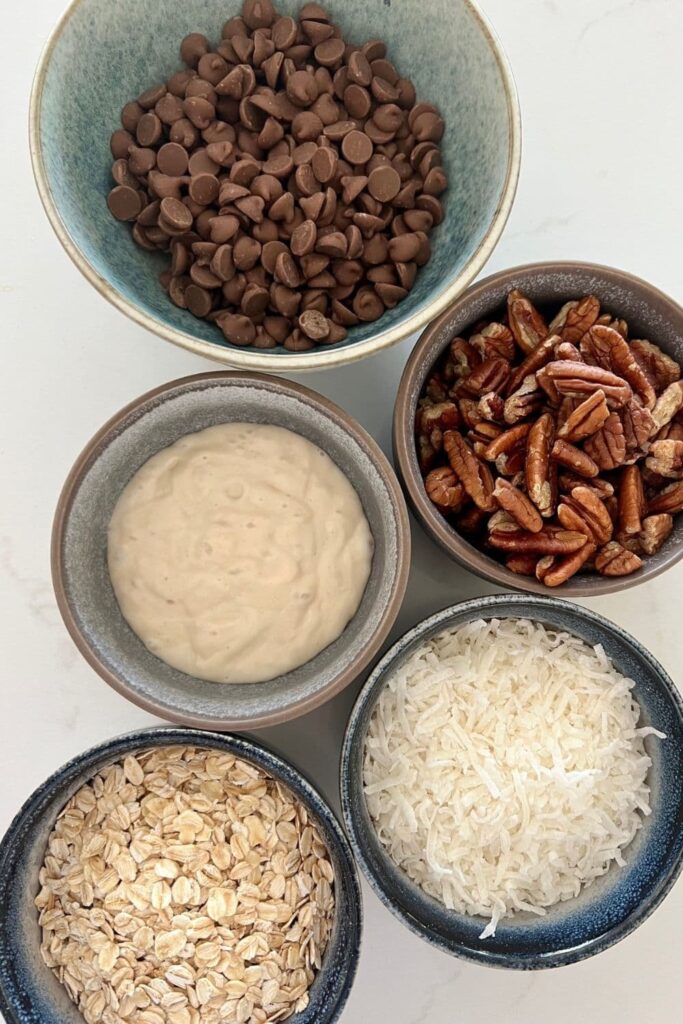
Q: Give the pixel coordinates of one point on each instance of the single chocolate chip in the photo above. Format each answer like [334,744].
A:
[286,270]
[130,115]
[314,324]
[172,159]
[382,68]
[302,88]
[199,111]
[306,126]
[212,68]
[176,214]
[184,133]
[384,184]
[435,183]
[285,300]
[333,244]
[198,300]
[203,188]
[279,166]
[177,83]
[432,205]
[330,52]
[120,143]
[304,238]
[203,276]
[125,203]
[123,174]
[357,100]
[357,147]
[383,91]
[284,33]
[150,97]
[360,71]
[367,304]
[255,300]
[270,134]
[267,186]
[263,340]
[298,342]
[418,220]
[149,129]
[338,131]
[252,207]
[324,164]
[246,252]
[237,328]
[193,47]
[169,109]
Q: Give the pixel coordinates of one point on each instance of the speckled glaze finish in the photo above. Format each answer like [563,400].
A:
[611,907]
[81,579]
[29,992]
[111,52]
[650,314]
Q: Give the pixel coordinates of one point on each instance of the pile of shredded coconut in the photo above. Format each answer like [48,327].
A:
[504,768]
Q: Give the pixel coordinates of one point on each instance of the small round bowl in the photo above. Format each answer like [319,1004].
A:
[111,52]
[79,544]
[650,314]
[604,912]
[30,993]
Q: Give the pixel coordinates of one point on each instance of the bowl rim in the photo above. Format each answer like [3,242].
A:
[317,359]
[250,748]
[455,545]
[491,606]
[346,674]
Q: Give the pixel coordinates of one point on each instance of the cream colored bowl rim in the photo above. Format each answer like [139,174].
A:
[252,359]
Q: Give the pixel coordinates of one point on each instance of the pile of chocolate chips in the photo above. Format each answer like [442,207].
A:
[292,177]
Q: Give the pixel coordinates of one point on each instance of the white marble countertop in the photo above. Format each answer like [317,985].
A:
[601,91]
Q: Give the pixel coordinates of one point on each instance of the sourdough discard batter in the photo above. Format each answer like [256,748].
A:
[239,552]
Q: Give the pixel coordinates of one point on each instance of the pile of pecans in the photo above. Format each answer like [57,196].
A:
[292,177]
[185,886]
[556,446]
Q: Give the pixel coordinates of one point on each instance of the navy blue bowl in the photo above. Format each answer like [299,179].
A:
[604,912]
[29,992]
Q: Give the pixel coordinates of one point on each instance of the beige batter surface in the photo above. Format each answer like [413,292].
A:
[239,552]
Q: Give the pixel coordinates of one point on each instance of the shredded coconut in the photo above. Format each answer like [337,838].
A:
[504,767]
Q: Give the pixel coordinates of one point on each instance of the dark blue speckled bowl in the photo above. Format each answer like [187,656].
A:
[30,994]
[102,54]
[610,908]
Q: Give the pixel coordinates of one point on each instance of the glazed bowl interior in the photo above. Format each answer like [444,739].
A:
[85,594]
[650,315]
[30,993]
[112,52]
[614,904]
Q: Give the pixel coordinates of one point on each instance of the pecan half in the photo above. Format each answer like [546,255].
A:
[570,378]
[548,541]
[607,446]
[605,347]
[554,571]
[506,441]
[573,458]
[432,420]
[539,445]
[669,500]
[489,376]
[462,358]
[474,474]
[537,358]
[666,458]
[517,505]
[672,431]
[492,407]
[444,489]
[575,318]
[603,488]
[632,502]
[526,323]
[494,341]
[615,560]
[638,424]
[584,511]
[522,565]
[512,462]
[655,531]
[667,405]
[660,368]
[586,419]
[565,350]
[524,402]
[502,521]
[469,412]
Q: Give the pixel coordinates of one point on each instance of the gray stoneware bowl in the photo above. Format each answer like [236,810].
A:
[79,543]
[650,314]
[29,992]
[615,904]
[110,52]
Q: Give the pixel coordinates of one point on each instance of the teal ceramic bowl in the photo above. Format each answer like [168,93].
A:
[102,54]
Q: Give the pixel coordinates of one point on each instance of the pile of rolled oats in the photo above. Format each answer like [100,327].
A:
[185,886]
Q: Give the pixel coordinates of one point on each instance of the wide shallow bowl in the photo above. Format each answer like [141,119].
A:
[111,52]
[79,548]
[650,314]
[604,912]
[29,992]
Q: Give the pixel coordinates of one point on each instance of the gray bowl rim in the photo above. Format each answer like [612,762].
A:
[432,522]
[491,607]
[251,750]
[253,359]
[346,674]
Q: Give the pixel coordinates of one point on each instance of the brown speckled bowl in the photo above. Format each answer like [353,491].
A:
[79,548]
[650,314]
